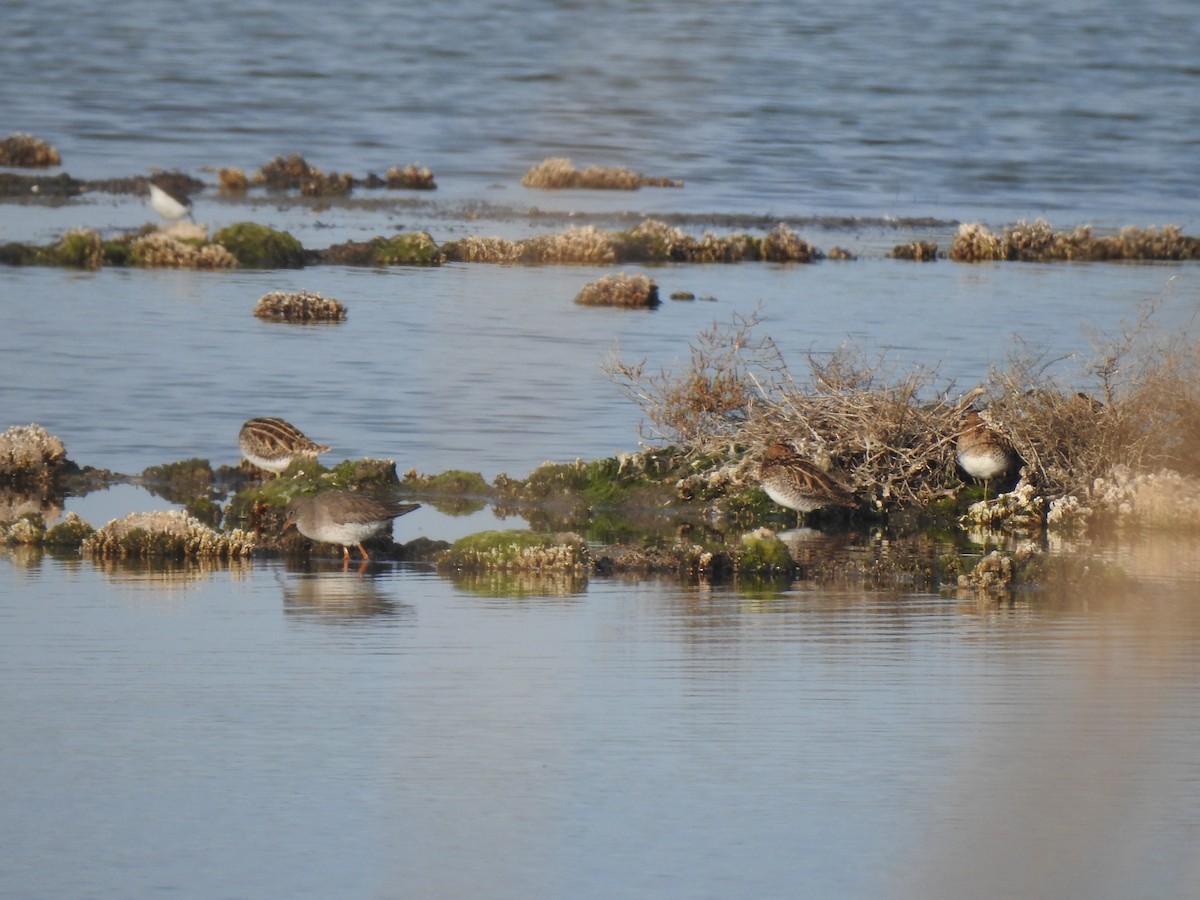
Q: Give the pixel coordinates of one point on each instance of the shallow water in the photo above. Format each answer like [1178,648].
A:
[1078,111]
[265,731]
[259,730]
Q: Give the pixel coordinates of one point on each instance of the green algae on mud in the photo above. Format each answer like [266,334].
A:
[259,247]
[415,248]
[518,551]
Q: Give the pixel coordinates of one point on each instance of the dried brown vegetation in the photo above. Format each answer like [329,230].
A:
[159,250]
[650,241]
[31,457]
[299,306]
[24,151]
[293,172]
[232,181]
[1038,242]
[917,251]
[170,534]
[559,174]
[633,291]
[892,436]
[411,177]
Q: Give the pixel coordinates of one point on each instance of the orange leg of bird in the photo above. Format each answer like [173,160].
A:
[363,551]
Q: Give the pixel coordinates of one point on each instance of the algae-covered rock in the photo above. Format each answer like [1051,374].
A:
[80,249]
[453,492]
[416,248]
[69,534]
[518,550]
[761,552]
[451,481]
[169,534]
[259,247]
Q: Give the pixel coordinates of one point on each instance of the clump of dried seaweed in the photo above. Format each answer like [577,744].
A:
[411,177]
[1039,242]
[31,456]
[24,151]
[917,251]
[649,241]
[559,174]
[161,250]
[169,534]
[293,172]
[630,291]
[299,306]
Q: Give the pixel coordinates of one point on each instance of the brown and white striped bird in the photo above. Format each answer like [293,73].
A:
[273,444]
[343,517]
[794,482]
[982,452]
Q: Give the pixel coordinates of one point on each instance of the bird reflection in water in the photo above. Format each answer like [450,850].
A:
[324,590]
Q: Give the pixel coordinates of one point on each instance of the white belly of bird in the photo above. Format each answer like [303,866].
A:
[791,499]
[349,533]
[984,464]
[271,463]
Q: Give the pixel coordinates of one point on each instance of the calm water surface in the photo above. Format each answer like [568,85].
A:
[266,732]
[1080,111]
[261,731]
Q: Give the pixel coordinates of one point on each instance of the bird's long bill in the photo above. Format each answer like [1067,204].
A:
[290,523]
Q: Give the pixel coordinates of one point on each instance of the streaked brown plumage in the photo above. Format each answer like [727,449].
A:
[273,444]
[981,452]
[796,483]
[342,517]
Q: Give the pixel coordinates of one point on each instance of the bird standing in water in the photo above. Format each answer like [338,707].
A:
[343,517]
